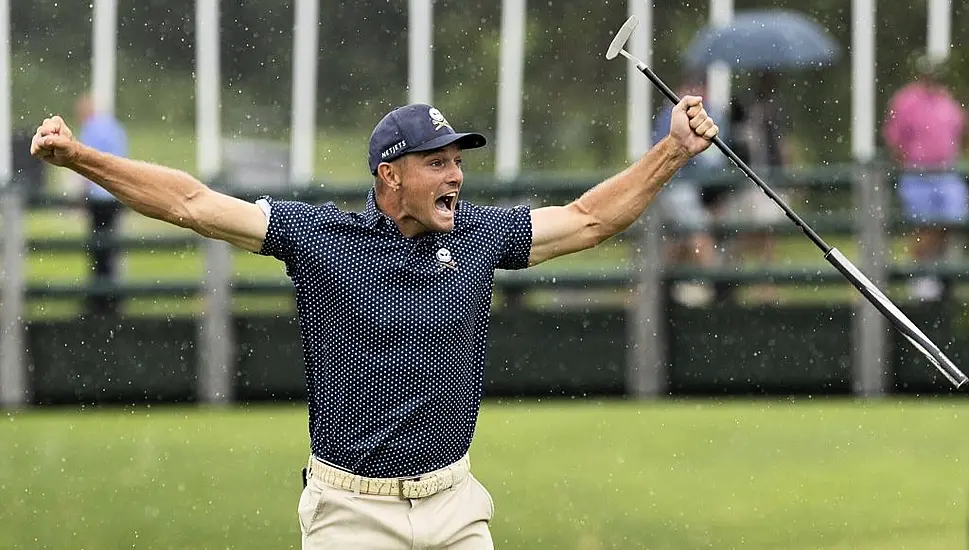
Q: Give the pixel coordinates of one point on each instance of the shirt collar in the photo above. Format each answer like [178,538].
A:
[372,216]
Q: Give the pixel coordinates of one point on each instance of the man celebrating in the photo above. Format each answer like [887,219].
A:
[393,304]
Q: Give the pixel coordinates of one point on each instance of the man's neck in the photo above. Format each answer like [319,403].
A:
[390,206]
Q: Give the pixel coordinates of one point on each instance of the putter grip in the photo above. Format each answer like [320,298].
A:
[671,95]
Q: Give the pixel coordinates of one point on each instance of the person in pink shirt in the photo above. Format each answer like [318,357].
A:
[924,131]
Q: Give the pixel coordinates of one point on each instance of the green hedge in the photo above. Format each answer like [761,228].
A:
[721,350]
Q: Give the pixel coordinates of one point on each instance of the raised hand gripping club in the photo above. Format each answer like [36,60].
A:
[832,255]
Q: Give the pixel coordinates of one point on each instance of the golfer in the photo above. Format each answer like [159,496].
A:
[393,305]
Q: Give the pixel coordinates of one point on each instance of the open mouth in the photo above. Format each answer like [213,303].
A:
[446,203]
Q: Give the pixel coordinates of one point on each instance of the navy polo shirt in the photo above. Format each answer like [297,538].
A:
[394,329]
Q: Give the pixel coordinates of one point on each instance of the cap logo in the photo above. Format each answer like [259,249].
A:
[438,120]
[394,148]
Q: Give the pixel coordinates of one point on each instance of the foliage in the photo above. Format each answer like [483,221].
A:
[574,106]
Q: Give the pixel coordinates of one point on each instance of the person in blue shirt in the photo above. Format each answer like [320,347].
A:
[393,304]
[103,132]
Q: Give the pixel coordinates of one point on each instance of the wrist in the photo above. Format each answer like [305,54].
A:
[79,156]
[675,151]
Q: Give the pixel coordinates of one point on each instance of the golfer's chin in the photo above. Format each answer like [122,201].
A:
[441,222]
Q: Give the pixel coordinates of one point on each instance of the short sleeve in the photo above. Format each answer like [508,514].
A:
[289,223]
[515,237]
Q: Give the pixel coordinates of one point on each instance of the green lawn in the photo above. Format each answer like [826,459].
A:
[340,158]
[809,474]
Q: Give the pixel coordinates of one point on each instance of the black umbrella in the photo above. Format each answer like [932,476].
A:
[764,39]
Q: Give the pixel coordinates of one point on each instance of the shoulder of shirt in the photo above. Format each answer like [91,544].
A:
[474,214]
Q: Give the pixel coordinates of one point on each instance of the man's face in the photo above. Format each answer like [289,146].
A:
[430,183]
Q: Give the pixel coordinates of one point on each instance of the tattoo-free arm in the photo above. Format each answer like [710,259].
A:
[614,204]
[606,209]
[175,197]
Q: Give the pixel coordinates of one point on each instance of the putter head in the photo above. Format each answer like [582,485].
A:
[622,36]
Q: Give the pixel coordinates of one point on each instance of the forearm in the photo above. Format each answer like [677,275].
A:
[613,205]
[616,203]
[154,191]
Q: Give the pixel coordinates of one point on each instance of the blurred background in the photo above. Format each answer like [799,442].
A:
[704,380]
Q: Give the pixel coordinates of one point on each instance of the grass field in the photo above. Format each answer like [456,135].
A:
[802,474]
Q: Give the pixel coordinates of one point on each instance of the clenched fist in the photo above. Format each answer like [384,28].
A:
[54,142]
[690,125]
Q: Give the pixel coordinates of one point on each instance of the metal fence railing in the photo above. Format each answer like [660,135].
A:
[866,217]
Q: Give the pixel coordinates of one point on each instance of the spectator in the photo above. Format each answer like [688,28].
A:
[759,136]
[103,132]
[924,131]
[681,201]
[28,171]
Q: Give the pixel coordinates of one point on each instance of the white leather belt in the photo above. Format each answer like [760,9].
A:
[403,487]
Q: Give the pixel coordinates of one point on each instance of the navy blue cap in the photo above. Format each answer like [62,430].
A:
[412,128]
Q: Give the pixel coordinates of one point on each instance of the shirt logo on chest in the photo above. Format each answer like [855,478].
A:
[444,259]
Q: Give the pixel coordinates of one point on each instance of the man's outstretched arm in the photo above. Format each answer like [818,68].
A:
[613,205]
[155,191]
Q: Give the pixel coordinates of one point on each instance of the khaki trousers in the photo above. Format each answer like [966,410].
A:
[335,513]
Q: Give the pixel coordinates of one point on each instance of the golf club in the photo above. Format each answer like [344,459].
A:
[832,255]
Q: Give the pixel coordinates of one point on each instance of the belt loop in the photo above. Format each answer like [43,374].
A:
[355,484]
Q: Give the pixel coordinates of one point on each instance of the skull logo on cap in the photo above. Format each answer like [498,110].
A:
[437,119]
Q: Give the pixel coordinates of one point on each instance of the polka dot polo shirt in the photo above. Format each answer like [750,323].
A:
[394,329]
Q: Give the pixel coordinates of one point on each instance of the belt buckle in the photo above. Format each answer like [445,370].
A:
[436,478]
[400,484]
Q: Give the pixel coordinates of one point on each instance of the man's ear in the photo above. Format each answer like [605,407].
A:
[389,174]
